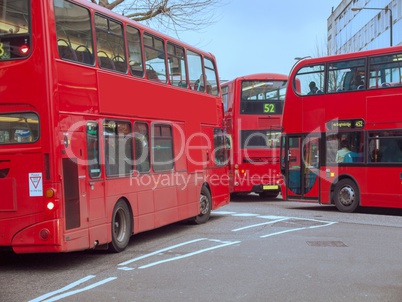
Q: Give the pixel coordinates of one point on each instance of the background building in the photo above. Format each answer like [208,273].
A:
[351,30]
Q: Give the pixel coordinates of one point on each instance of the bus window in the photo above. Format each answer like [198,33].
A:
[177,66]
[385,146]
[74,35]
[309,77]
[141,142]
[135,52]
[385,71]
[346,76]
[118,147]
[195,70]
[344,147]
[162,148]
[225,98]
[211,77]
[262,97]
[15,29]
[155,59]
[19,128]
[93,149]
[110,44]
[220,147]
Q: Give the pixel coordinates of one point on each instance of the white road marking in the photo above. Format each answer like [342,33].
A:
[70,286]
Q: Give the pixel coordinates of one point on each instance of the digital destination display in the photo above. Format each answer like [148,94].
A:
[4,50]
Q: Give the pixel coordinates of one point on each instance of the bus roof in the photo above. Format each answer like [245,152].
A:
[350,55]
[261,76]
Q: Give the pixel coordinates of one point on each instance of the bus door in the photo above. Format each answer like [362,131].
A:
[83,186]
[302,167]
[73,182]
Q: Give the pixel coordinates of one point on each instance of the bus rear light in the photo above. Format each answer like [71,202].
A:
[50,205]
[24,49]
[44,234]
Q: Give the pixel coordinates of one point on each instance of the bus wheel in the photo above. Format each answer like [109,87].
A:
[121,227]
[205,207]
[346,196]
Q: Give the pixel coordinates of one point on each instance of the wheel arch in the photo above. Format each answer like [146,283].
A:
[127,201]
[130,208]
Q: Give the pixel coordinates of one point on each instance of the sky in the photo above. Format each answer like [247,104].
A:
[257,36]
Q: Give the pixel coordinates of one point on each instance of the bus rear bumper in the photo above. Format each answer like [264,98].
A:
[38,238]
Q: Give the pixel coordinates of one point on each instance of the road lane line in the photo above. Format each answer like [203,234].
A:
[160,251]
[258,224]
[190,254]
[74,284]
[89,287]
[297,229]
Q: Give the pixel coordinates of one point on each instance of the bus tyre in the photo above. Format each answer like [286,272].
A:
[121,227]
[346,196]
[205,207]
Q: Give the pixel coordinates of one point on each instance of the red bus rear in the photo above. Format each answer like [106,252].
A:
[253,107]
[107,128]
[342,130]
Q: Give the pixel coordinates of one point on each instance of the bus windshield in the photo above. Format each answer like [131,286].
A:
[262,97]
[14,29]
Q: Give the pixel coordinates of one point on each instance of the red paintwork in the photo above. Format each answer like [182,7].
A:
[265,169]
[66,93]
[379,186]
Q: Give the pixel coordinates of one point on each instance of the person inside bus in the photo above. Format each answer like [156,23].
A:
[313,88]
[358,83]
[340,155]
[199,84]
[125,148]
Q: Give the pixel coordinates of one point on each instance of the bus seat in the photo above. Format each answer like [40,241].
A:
[152,75]
[84,55]
[106,63]
[120,66]
[360,87]
[66,52]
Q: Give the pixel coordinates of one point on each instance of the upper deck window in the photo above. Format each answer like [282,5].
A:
[346,75]
[211,77]
[262,97]
[385,71]
[110,44]
[74,35]
[311,79]
[177,65]
[155,58]
[19,128]
[15,29]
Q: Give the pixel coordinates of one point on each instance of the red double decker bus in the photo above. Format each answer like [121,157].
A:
[343,131]
[107,128]
[253,107]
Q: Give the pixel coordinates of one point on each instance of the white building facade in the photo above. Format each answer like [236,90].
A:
[369,28]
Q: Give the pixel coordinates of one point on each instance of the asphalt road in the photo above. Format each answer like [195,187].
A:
[250,250]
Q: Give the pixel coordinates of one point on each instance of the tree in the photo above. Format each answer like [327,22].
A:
[173,15]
